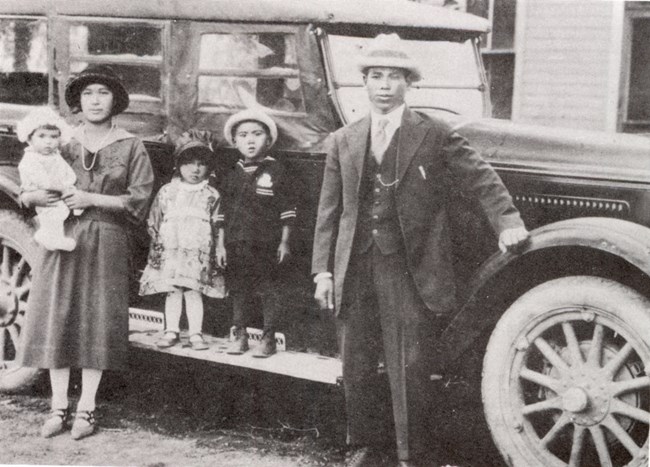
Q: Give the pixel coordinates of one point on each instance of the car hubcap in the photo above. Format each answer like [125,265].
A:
[575,400]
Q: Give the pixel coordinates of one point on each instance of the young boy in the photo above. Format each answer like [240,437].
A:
[43,168]
[259,213]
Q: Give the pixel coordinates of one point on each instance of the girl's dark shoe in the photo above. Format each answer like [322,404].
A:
[240,344]
[57,423]
[84,424]
[267,345]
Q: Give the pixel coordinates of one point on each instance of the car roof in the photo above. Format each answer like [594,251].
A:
[372,13]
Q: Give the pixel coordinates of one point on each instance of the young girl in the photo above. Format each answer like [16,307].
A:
[260,213]
[187,244]
[78,309]
[43,168]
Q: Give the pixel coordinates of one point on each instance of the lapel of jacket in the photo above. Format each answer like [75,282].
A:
[412,133]
[357,142]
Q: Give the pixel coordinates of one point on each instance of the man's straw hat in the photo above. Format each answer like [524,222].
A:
[387,50]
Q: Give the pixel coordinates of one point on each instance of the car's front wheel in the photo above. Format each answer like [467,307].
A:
[566,376]
[17,250]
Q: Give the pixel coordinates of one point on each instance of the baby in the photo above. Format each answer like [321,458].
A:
[43,168]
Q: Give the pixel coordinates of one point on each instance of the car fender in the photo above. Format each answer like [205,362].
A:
[625,240]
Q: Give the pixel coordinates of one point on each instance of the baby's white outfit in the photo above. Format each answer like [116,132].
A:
[49,172]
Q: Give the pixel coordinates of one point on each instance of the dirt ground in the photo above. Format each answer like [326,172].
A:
[130,443]
[180,415]
[177,413]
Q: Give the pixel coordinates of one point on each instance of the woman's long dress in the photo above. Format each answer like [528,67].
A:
[77,313]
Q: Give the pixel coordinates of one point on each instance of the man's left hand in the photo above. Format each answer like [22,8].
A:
[512,238]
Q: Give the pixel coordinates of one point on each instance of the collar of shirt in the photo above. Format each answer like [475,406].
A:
[184,186]
[394,118]
[115,134]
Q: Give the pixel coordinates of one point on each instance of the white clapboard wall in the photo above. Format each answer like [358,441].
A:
[568,63]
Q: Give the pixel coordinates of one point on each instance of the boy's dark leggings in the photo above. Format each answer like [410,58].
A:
[253,272]
[244,301]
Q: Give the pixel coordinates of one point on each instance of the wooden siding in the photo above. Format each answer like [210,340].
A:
[567,67]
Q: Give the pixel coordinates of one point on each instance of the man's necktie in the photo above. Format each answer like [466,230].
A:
[380,140]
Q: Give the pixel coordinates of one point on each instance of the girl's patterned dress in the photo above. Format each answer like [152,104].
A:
[183,224]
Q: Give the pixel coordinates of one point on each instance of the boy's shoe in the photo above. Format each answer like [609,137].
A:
[57,423]
[240,344]
[198,343]
[84,424]
[169,339]
[267,345]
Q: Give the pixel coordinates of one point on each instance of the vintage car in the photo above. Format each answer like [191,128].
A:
[555,335]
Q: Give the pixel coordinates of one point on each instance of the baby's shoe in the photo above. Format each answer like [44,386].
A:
[44,239]
[240,344]
[84,424]
[198,343]
[267,345]
[57,423]
[53,242]
[65,244]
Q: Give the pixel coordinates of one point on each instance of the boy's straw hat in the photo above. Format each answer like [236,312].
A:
[249,115]
[387,50]
[97,74]
[39,117]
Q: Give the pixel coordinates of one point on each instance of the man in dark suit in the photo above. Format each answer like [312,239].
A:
[382,248]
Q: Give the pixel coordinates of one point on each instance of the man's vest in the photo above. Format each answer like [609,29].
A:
[377,220]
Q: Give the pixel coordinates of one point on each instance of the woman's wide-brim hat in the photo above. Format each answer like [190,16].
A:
[250,115]
[388,50]
[97,74]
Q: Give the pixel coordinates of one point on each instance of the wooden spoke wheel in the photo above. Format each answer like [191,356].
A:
[16,251]
[566,376]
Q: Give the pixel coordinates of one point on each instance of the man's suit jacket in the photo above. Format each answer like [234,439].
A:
[430,157]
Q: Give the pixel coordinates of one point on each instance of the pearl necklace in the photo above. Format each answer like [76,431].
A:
[99,147]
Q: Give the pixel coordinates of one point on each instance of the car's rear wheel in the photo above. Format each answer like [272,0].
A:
[566,376]
[17,251]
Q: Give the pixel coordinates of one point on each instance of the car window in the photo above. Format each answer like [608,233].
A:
[451,78]
[240,70]
[23,61]
[133,50]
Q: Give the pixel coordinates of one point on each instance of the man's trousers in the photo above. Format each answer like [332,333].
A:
[382,310]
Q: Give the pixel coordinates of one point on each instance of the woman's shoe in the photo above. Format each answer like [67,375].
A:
[57,423]
[198,343]
[169,339]
[84,424]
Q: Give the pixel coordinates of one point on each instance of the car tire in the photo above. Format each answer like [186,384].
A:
[17,253]
[565,376]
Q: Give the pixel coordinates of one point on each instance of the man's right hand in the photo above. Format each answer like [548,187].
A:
[42,198]
[324,294]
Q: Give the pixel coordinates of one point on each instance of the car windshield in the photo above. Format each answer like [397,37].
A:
[451,77]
